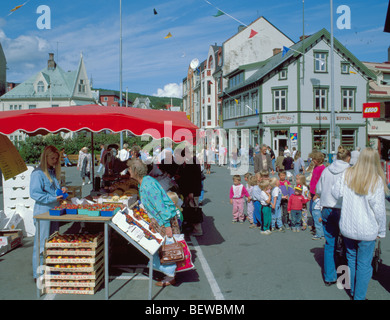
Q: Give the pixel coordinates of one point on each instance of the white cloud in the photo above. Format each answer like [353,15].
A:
[172,90]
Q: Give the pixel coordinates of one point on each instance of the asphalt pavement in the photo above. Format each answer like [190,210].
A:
[232,261]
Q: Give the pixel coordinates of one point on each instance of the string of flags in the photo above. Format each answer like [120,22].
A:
[220,12]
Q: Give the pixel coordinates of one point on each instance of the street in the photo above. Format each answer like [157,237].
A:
[233,262]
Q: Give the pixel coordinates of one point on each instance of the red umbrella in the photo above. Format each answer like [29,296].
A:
[95,118]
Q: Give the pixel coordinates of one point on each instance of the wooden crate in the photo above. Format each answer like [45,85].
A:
[97,241]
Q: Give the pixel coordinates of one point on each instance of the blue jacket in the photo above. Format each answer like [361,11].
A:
[43,191]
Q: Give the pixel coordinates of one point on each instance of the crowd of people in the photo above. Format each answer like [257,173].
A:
[345,200]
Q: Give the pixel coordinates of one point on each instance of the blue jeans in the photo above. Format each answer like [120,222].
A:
[316,213]
[257,213]
[330,222]
[359,256]
[296,217]
[201,193]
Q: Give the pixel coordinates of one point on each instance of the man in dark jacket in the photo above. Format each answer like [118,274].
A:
[190,186]
[263,161]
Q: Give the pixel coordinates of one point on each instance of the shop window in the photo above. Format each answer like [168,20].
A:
[320,140]
[348,137]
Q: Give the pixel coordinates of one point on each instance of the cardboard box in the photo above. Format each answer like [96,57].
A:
[10,239]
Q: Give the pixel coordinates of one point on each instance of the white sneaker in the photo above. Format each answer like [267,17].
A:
[89,182]
[83,184]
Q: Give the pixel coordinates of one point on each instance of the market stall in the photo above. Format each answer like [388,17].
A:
[120,216]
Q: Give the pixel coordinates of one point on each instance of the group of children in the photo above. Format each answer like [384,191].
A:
[272,203]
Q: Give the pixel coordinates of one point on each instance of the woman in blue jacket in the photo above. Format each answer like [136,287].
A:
[43,189]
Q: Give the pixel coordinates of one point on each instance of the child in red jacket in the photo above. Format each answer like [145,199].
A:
[294,207]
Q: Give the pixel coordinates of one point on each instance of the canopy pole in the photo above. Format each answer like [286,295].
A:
[93,161]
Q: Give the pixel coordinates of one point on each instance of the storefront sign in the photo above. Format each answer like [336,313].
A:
[280,119]
[372,110]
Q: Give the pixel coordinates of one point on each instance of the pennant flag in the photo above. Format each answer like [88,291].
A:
[352,72]
[236,101]
[169,35]
[154,11]
[285,50]
[253,33]
[17,7]
[219,13]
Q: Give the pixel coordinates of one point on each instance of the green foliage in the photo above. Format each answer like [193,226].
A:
[32,147]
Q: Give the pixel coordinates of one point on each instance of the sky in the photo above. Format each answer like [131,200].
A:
[154,65]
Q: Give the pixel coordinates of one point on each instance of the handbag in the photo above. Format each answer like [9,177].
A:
[171,253]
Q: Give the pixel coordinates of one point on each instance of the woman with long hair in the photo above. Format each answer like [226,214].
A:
[363,216]
[44,184]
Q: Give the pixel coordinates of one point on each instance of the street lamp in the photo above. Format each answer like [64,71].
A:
[120,64]
[332,114]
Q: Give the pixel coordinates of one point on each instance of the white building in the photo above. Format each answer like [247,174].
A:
[50,87]
[285,100]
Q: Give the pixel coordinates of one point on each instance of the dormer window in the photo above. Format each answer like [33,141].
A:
[82,86]
[40,87]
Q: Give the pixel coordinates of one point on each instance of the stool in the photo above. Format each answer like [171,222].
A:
[74,191]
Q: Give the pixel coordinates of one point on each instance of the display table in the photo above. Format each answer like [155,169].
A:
[107,222]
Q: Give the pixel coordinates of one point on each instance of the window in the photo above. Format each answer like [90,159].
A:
[348,139]
[283,74]
[11,107]
[254,103]
[81,86]
[209,83]
[32,106]
[105,98]
[320,140]
[247,109]
[320,99]
[280,99]
[208,113]
[348,99]
[40,86]
[344,67]
[320,62]
[236,80]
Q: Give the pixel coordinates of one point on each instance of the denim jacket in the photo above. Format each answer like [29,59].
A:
[43,191]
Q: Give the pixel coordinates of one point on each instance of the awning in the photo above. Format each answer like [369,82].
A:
[384,137]
[95,118]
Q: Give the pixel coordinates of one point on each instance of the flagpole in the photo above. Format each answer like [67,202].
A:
[120,65]
[332,94]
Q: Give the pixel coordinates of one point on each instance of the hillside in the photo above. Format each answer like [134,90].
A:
[157,102]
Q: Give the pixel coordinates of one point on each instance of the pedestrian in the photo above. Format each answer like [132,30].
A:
[273,158]
[236,195]
[163,212]
[263,161]
[295,205]
[250,205]
[301,180]
[84,164]
[317,157]
[362,189]
[285,151]
[256,197]
[101,161]
[330,213]
[286,188]
[190,186]
[64,156]
[279,162]
[299,164]
[354,156]
[265,202]
[251,150]
[44,183]
[288,162]
[221,153]
[294,152]
[276,209]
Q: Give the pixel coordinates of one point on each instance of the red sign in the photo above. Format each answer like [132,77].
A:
[372,110]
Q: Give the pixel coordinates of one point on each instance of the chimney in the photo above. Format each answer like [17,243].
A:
[51,64]
[276,51]
[301,37]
